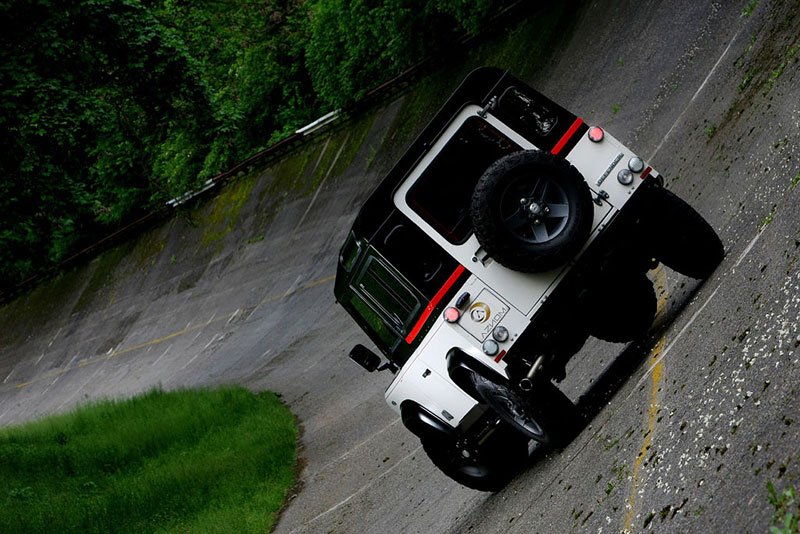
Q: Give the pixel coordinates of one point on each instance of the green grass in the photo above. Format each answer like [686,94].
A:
[748,77]
[787,510]
[768,218]
[186,461]
[775,74]
[748,9]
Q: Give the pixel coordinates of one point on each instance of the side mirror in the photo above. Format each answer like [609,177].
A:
[365,358]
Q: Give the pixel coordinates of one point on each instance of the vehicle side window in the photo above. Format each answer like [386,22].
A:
[349,253]
[384,301]
[443,193]
[415,255]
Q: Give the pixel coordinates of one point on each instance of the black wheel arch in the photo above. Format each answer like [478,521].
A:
[423,423]
[460,364]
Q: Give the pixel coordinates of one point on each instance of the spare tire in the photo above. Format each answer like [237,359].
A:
[531,211]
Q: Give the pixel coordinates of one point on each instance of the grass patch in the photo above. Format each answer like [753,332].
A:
[186,461]
[795,181]
[787,510]
[748,9]
[775,74]
[748,77]
[711,130]
[768,218]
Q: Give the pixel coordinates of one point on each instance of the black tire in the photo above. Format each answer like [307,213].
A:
[680,237]
[509,232]
[545,415]
[489,467]
[619,310]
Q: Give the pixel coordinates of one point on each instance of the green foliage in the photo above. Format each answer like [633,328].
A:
[748,9]
[185,461]
[787,510]
[355,44]
[85,90]
[110,107]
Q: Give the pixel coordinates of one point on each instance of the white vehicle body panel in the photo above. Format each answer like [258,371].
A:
[424,377]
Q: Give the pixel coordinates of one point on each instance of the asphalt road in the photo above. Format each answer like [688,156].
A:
[688,425]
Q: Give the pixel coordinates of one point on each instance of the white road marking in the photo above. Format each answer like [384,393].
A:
[9,375]
[677,337]
[213,339]
[747,249]
[51,385]
[162,355]
[322,183]
[54,338]
[293,287]
[354,448]
[80,388]
[190,361]
[696,93]
[360,490]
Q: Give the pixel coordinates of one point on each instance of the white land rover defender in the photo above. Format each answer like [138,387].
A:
[508,233]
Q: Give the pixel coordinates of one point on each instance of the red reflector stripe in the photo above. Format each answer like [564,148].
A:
[646,173]
[566,137]
[432,304]
[499,356]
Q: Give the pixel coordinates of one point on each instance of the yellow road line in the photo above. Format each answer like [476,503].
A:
[652,411]
[224,317]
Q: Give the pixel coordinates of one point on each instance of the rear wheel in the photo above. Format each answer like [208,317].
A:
[484,467]
[681,239]
[545,414]
[619,310]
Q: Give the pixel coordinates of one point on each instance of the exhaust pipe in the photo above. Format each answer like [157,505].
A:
[526,384]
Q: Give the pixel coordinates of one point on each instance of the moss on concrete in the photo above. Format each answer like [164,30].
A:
[223,215]
[287,176]
[99,290]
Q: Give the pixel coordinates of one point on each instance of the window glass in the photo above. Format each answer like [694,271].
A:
[423,263]
[386,304]
[349,253]
[443,193]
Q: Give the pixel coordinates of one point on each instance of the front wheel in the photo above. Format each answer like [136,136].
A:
[485,467]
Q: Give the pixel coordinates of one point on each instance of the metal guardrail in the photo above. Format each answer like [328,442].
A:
[300,137]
